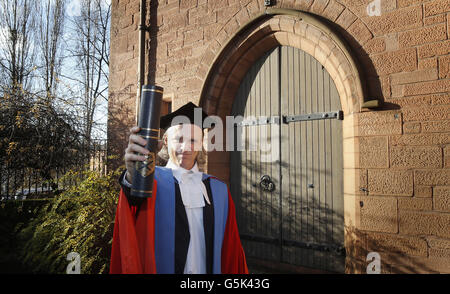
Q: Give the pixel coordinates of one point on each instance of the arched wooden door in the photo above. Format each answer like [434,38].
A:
[287,182]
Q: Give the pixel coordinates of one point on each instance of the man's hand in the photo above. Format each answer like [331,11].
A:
[135,145]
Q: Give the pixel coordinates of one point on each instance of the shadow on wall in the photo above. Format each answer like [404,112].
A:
[121,116]
[120,119]
[300,228]
[305,217]
[306,220]
[368,73]
[398,255]
[153,42]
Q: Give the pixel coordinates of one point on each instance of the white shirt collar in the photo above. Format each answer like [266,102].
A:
[191,192]
[179,170]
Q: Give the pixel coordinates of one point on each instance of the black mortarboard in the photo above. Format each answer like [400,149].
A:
[185,114]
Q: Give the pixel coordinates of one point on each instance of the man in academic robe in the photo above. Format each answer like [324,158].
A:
[189,225]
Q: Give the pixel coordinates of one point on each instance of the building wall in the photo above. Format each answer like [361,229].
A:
[396,158]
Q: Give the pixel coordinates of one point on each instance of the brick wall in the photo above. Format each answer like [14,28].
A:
[403,148]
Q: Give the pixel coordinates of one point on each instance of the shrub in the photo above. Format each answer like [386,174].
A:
[14,215]
[80,219]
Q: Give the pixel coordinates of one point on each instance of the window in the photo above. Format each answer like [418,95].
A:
[166,106]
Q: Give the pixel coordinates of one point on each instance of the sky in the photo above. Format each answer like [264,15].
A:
[70,64]
[73,10]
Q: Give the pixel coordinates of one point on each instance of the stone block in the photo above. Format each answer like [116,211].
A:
[438,243]
[435,177]
[430,113]
[360,32]
[303,5]
[434,49]
[390,182]
[333,10]
[378,123]
[287,24]
[346,19]
[444,67]
[402,60]
[440,99]
[436,126]
[439,86]
[447,156]
[424,223]
[422,36]
[436,7]
[393,243]
[411,127]
[423,191]
[192,36]
[420,139]
[375,45]
[426,63]
[423,75]
[441,18]
[415,203]
[441,198]
[373,152]
[318,6]
[414,265]
[379,214]
[415,157]
[395,21]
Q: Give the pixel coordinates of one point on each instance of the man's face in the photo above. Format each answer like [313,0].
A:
[183,144]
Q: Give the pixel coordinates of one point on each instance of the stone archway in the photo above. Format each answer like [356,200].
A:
[308,33]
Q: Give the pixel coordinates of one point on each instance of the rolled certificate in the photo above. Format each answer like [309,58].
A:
[149,115]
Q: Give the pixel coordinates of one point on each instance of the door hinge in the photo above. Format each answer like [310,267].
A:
[259,121]
[291,118]
[314,116]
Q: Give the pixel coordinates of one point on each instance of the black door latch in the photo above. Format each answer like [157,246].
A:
[267,184]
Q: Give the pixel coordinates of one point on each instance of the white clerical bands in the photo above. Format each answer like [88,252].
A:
[189,178]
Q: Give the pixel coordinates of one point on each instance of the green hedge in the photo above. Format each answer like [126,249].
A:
[80,219]
[14,215]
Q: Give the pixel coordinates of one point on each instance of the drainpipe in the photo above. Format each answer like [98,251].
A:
[141,64]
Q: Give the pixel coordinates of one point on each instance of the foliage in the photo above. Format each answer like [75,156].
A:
[78,220]
[46,128]
[48,60]
[35,134]
[14,215]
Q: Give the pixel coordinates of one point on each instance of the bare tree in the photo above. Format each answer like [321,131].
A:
[35,134]
[92,53]
[50,30]
[17,29]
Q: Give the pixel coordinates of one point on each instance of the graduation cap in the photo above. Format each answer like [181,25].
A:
[186,114]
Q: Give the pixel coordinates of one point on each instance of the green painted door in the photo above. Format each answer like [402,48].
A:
[287,179]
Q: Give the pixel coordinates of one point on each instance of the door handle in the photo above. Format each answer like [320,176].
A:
[267,184]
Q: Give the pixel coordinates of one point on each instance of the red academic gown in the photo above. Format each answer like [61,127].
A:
[133,247]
